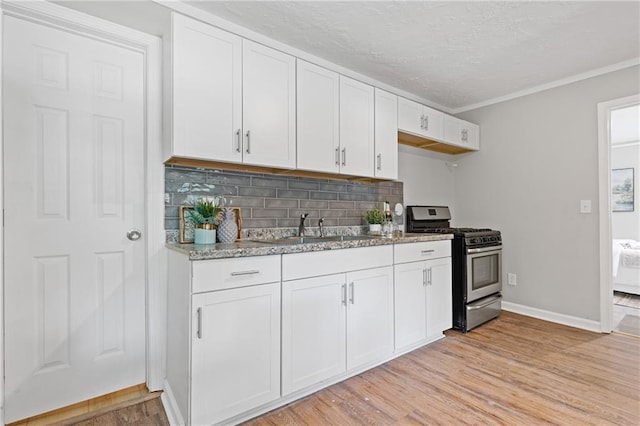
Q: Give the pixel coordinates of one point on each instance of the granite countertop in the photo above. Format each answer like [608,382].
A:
[255,248]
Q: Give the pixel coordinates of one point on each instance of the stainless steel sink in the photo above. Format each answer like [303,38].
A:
[315,240]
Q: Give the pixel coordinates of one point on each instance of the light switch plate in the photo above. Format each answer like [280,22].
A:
[585,206]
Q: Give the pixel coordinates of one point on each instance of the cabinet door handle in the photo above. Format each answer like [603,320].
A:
[426,123]
[424,277]
[239,273]
[337,156]
[352,297]
[344,294]
[248,142]
[464,135]
[199,331]
[344,156]
[238,141]
[379,161]
[422,121]
[429,275]
[426,252]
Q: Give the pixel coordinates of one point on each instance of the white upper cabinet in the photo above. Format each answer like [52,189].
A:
[318,115]
[206,68]
[420,120]
[232,100]
[269,106]
[386,135]
[356,128]
[461,133]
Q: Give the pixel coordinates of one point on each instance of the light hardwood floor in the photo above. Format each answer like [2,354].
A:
[117,402]
[514,370]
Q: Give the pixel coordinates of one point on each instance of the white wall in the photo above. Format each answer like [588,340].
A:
[626,225]
[427,178]
[538,159]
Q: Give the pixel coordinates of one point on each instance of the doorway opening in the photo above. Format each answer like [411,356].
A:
[619,171]
[625,217]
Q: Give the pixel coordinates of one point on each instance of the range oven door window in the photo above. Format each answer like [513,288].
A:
[484,271]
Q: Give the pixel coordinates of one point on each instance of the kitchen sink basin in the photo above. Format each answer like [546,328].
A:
[315,240]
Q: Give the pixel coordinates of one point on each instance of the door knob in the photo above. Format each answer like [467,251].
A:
[134,234]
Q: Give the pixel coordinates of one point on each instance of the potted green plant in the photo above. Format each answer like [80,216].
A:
[205,219]
[374,218]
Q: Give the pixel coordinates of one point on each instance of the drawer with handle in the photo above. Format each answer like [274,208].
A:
[220,274]
[414,252]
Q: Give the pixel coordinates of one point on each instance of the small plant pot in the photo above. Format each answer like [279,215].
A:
[204,236]
[375,228]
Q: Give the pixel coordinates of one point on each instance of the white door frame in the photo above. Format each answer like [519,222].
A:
[151,47]
[604,181]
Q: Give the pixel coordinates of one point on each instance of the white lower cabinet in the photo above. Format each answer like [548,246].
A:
[439,296]
[422,293]
[236,352]
[335,323]
[369,316]
[313,331]
[245,335]
[223,352]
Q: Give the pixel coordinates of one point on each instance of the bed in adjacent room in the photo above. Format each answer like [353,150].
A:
[626,266]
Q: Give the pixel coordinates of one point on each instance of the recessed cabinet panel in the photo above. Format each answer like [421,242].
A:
[433,123]
[411,304]
[313,331]
[356,127]
[269,106]
[386,135]
[207,91]
[235,353]
[369,316]
[470,135]
[420,120]
[410,116]
[461,133]
[439,300]
[318,115]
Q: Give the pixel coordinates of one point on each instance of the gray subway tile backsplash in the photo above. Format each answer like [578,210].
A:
[268,201]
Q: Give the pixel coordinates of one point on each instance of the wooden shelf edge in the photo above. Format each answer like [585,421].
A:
[207,164]
[419,142]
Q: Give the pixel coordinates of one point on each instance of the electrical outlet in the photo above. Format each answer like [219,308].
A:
[511,279]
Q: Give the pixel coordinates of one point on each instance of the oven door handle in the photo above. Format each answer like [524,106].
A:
[484,249]
[472,307]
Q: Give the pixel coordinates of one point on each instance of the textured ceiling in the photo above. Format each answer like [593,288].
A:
[454,54]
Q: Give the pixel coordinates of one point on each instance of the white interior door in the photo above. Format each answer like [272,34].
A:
[74,186]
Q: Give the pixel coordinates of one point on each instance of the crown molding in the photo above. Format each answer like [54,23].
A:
[551,85]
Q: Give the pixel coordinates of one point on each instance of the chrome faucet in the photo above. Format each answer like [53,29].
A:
[301,228]
[321,226]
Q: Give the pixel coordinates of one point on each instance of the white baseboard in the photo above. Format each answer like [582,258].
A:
[171,406]
[569,320]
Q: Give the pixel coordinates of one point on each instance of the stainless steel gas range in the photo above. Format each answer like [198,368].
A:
[476,265]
